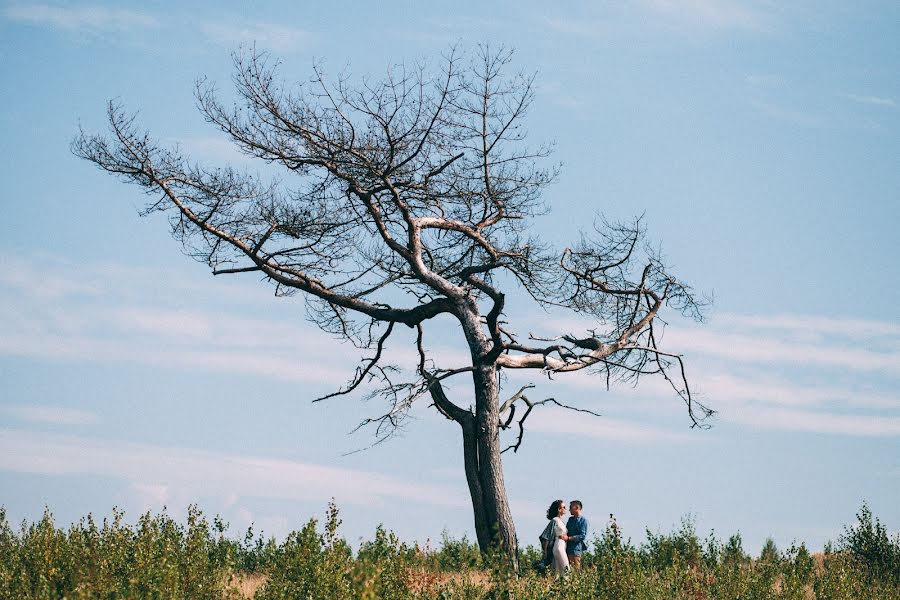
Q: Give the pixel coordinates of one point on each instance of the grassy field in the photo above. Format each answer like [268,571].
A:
[158,557]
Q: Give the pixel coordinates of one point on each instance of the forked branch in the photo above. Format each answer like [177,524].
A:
[519,396]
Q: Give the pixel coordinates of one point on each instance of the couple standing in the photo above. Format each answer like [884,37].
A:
[563,544]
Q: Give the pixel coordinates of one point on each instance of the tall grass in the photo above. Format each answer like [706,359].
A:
[158,557]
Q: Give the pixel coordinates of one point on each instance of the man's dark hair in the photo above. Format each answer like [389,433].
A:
[577,503]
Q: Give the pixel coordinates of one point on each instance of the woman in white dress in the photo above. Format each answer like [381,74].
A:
[559,537]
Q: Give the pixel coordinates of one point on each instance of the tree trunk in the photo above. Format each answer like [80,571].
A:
[494,526]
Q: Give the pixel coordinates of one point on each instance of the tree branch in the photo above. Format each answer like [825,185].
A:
[510,405]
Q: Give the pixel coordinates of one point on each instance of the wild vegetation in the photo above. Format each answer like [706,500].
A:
[158,557]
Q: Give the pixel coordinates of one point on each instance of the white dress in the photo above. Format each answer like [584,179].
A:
[560,560]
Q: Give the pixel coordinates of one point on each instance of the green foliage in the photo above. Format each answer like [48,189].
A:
[732,553]
[769,552]
[682,547]
[160,558]
[843,578]
[254,552]
[461,554]
[868,543]
[321,566]
[798,571]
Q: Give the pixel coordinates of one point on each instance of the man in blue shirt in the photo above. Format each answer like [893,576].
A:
[577,530]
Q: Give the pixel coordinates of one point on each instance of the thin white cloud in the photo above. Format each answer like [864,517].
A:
[737,364]
[158,473]
[766,417]
[760,349]
[53,414]
[270,36]
[849,327]
[786,394]
[100,314]
[570,26]
[85,18]
[561,95]
[561,421]
[803,118]
[790,372]
[217,150]
[710,14]
[801,340]
[301,366]
[17,273]
[765,80]
[874,100]
[758,402]
[66,279]
[96,19]
[90,313]
[150,496]
[267,523]
[766,403]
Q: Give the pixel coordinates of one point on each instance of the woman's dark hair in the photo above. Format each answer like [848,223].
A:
[553,511]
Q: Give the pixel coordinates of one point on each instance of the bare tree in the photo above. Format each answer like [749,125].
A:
[410,198]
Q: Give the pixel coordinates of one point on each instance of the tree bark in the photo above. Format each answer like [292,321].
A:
[494,526]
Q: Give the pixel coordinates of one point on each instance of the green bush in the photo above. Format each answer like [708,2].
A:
[460,555]
[769,552]
[159,558]
[868,543]
[682,546]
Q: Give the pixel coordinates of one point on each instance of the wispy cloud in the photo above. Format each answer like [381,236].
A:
[53,414]
[772,349]
[766,403]
[219,150]
[710,14]
[569,25]
[875,100]
[568,423]
[764,80]
[100,313]
[789,372]
[85,18]
[794,116]
[783,366]
[159,472]
[848,327]
[96,19]
[779,392]
[104,319]
[561,95]
[767,417]
[801,340]
[271,36]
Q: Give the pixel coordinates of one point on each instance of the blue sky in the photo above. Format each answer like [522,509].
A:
[761,140]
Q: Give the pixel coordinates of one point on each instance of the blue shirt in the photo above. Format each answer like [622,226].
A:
[577,529]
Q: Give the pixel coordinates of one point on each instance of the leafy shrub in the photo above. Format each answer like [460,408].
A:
[459,555]
[682,546]
[869,544]
[254,552]
[160,558]
[798,572]
[310,565]
[769,552]
[157,559]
